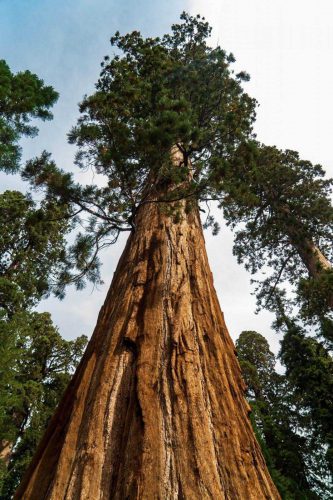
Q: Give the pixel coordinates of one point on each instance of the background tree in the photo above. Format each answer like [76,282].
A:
[36,363]
[23,97]
[36,366]
[33,259]
[309,367]
[282,207]
[282,210]
[294,450]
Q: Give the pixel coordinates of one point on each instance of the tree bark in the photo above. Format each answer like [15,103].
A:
[312,258]
[156,408]
[314,261]
[6,448]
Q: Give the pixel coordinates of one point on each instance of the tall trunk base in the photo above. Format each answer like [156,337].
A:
[156,408]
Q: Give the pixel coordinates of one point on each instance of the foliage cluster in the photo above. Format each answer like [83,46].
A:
[281,208]
[23,97]
[292,412]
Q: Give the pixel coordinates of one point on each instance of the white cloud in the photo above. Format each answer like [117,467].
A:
[285,46]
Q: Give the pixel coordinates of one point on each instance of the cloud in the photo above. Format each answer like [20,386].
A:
[285,47]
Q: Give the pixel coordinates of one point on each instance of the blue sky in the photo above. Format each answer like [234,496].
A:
[286,46]
[63,42]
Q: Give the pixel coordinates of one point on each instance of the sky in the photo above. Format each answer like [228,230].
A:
[285,45]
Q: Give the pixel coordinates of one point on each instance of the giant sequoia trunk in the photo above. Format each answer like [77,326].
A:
[156,408]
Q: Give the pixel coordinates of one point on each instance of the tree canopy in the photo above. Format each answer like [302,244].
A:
[23,97]
[155,94]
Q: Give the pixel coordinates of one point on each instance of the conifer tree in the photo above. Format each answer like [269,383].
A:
[36,366]
[23,97]
[36,363]
[33,257]
[282,207]
[296,451]
[309,367]
[156,408]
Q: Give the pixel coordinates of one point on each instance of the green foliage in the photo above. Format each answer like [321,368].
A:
[156,95]
[281,206]
[159,93]
[37,364]
[316,297]
[32,250]
[309,367]
[33,258]
[23,97]
[293,449]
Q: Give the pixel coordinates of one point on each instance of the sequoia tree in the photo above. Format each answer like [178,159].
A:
[282,207]
[156,408]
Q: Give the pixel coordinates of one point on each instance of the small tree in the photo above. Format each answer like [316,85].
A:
[36,366]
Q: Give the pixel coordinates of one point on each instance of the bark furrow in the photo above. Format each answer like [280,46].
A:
[156,409]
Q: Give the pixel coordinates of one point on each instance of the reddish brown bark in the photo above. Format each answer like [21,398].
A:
[313,259]
[156,408]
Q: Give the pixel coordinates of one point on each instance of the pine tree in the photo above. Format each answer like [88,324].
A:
[36,363]
[156,408]
[33,256]
[309,367]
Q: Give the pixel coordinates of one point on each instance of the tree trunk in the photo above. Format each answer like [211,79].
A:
[312,258]
[6,448]
[314,261]
[156,408]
